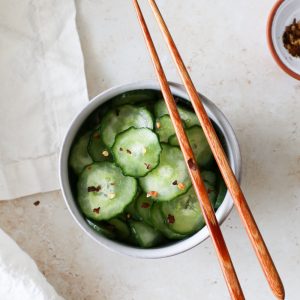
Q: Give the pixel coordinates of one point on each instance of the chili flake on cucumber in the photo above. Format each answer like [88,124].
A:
[129,176]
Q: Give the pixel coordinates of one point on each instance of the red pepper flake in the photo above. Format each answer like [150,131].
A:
[94,188]
[175,182]
[181,186]
[171,219]
[96,210]
[121,149]
[192,164]
[145,205]
[209,191]
[112,183]
[148,166]
[89,167]
[153,194]
[36,203]
[128,151]
[96,135]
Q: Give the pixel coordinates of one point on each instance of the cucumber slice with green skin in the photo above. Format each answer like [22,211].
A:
[96,148]
[221,194]
[209,177]
[159,223]
[160,108]
[131,211]
[145,235]
[183,214]
[134,97]
[136,151]
[103,191]
[189,117]
[79,156]
[121,118]
[147,105]
[114,229]
[102,228]
[143,207]
[198,143]
[120,228]
[212,193]
[170,178]
[164,128]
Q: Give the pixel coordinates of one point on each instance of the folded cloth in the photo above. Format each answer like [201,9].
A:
[43,86]
[19,275]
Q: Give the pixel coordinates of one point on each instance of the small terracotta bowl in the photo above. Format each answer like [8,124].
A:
[282,14]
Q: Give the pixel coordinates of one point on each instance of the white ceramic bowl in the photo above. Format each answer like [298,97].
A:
[177,247]
[282,14]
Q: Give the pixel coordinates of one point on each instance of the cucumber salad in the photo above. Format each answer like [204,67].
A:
[129,176]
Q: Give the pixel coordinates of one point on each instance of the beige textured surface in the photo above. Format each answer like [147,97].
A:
[223,43]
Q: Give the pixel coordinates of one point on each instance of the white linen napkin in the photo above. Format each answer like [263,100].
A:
[43,86]
[19,275]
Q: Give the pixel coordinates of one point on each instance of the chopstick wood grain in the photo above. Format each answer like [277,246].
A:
[239,199]
[208,212]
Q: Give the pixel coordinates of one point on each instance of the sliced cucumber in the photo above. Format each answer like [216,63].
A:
[198,143]
[143,207]
[79,157]
[189,117]
[103,191]
[212,193]
[127,148]
[221,193]
[209,177]
[96,148]
[102,228]
[145,235]
[183,214]
[131,212]
[121,118]
[134,97]
[136,151]
[120,228]
[113,229]
[159,223]
[170,179]
[164,128]
[160,108]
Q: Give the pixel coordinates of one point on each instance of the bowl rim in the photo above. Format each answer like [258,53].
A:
[270,42]
[179,246]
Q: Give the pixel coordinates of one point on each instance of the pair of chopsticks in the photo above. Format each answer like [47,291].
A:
[240,202]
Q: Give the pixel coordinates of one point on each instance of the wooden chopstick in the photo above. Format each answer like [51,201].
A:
[208,212]
[240,202]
